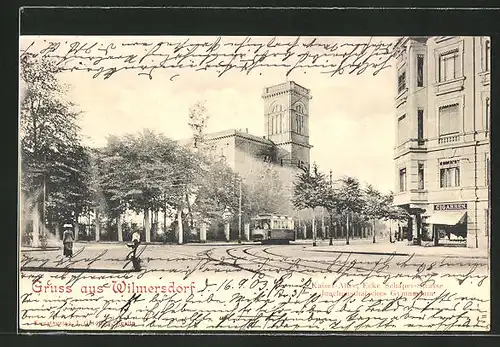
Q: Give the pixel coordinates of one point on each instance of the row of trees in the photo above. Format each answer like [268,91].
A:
[344,199]
[146,173]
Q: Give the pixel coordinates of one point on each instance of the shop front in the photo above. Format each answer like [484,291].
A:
[447,224]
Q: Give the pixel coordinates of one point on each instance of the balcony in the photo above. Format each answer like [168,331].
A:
[411,145]
[449,139]
[450,86]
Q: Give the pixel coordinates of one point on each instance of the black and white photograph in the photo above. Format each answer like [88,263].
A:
[254,183]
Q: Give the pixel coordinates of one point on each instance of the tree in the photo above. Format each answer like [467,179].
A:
[50,143]
[392,212]
[350,199]
[309,192]
[375,206]
[143,172]
[198,118]
[332,203]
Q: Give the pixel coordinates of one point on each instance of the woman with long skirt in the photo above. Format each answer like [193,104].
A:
[68,240]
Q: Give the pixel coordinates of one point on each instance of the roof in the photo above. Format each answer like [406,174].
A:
[237,133]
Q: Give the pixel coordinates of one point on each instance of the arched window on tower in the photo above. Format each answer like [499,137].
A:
[300,124]
[277,108]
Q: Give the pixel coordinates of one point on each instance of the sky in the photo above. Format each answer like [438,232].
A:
[351,116]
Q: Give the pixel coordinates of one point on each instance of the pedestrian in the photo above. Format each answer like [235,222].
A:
[136,240]
[68,239]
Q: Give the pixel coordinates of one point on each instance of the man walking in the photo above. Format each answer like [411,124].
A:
[136,240]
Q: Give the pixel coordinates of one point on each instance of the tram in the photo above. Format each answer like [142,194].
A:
[272,228]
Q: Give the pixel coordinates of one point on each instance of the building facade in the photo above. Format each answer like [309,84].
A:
[442,152]
[286,129]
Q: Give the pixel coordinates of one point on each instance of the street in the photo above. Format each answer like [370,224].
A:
[249,257]
[252,286]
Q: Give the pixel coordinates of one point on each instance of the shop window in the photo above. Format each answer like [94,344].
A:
[448,66]
[402,180]
[420,71]
[448,119]
[449,173]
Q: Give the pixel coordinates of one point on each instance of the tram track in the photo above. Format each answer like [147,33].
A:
[329,269]
[259,262]
[222,261]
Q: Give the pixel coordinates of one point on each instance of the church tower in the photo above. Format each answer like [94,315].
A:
[286,109]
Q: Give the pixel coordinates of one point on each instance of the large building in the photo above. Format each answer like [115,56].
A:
[286,129]
[442,152]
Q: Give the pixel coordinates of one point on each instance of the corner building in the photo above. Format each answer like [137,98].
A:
[442,152]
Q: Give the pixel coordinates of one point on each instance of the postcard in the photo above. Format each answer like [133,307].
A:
[251,183]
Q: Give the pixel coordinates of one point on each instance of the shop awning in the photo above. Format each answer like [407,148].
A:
[446,218]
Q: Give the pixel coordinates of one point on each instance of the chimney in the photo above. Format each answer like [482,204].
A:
[246,130]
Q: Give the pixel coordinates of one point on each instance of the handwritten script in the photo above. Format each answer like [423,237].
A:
[244,288]
[220,55]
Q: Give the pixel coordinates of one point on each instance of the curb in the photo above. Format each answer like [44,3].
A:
[397,253]
[39,249]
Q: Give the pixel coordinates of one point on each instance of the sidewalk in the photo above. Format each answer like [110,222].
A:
[401,248]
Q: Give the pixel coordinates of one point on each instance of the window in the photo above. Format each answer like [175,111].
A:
[420,70]
[277,108]
[402,180]
[487,221]
[280,128]
[300,124]
[299,108]
[421,185]
[401,129]
[420,125]
[448,66]
[487,169]
[401,82]
[487,55]
[449,174]
[487,116]
[448,119]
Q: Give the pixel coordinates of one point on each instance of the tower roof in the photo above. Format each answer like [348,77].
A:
[284,88]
